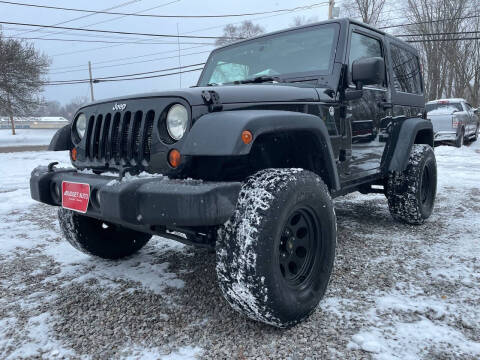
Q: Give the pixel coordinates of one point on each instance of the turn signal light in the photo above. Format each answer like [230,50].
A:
[174,158]
[247,137]
[73,154]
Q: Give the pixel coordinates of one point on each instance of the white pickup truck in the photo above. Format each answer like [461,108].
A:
[454,121]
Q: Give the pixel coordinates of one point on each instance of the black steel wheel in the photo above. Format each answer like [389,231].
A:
[427,190]
[297,248]
[275,255]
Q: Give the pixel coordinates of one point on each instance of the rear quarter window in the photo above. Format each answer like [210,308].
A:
[443,107]
[406,71]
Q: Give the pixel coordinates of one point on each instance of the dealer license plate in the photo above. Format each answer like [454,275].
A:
[75,196]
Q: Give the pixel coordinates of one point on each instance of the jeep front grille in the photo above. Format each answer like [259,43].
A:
[120,138]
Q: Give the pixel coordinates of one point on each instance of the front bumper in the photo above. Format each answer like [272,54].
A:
[143,202]
[445,136]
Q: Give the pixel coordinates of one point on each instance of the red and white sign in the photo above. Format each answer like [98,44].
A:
[75,196]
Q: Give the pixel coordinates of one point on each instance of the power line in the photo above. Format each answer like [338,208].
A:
[120,17]
[433,40]
[105,41]
[131,63]
[440,33]
[188,32]
[128,75]
[88,36]
[83,16]
[130,57]
[158,15]
[128,79]
[111,31]
[429,21]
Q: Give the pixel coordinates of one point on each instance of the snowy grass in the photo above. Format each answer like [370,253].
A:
[25,227]
[26,137]
[432,313]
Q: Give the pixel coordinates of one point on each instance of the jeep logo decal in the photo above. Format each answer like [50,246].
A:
[120,107]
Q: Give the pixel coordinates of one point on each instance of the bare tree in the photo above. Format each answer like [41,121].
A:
[48,108]
[22,72]
[303,20]
[447,64]
[54,108]
[245,30]
[473,48]
[369,11]
[69,109]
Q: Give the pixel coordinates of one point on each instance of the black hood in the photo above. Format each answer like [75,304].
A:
[248,93]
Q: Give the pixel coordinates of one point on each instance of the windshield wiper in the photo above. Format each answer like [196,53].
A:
[255,80]
[259,79]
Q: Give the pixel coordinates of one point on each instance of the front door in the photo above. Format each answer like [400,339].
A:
[368,116]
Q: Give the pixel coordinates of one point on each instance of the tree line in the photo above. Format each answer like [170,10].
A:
[447,35]
[54,108]
[451,66]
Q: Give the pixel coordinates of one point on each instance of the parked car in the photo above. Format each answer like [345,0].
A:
[454,121]
[248,161]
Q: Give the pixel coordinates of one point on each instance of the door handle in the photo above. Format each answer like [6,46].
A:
[385,105]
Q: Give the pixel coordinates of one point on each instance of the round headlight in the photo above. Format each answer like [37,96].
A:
[81,125]
[177,119]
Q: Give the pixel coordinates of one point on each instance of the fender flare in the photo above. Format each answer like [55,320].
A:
[219,134]
[62,140]
[405,140]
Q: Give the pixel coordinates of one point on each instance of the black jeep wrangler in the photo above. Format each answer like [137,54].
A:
[247,162]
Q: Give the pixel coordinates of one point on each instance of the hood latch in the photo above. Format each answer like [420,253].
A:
[212,99]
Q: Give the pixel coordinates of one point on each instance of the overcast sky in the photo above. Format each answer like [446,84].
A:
[69,59]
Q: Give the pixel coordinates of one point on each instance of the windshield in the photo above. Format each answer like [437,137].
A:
[301,52]
[445,108]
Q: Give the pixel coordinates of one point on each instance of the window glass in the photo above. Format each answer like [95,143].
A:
[363,46]
[406,71]
[443,107]
[293,52]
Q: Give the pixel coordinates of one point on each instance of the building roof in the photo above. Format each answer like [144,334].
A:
[37,119]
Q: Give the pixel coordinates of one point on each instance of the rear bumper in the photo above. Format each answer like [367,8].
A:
[143,202]
[445,136]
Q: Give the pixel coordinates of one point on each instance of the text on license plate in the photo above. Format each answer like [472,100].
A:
[75,196]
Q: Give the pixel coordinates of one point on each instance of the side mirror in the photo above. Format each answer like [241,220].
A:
[475,111]
[368,71]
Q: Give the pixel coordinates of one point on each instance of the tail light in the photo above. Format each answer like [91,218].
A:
[454,121]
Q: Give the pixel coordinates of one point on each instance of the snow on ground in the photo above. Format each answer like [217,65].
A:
[26,137]
[397,292]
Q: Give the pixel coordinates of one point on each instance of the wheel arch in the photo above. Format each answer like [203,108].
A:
[412,131]
[219,134]
[62,139]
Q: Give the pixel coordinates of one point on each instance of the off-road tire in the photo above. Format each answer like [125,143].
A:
[411,194]
[99,238]
[475,136]
[252,247]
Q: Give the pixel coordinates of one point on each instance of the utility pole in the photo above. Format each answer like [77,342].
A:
[11,113]
[331,4]
[91,80]
[179,57]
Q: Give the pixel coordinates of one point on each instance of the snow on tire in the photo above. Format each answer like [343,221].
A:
[275,255]
[99,238]
[411,193]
